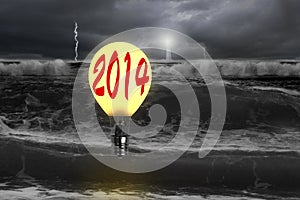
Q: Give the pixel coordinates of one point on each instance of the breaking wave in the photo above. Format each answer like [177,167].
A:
[35,67]
[249,69]
[283,90]
[235,69]
[227,68]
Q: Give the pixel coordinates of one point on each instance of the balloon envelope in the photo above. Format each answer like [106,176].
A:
[120,84]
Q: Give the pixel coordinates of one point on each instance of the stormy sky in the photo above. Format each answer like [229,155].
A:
[229,29]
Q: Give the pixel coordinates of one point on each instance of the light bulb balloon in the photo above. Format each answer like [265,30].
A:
[120,77]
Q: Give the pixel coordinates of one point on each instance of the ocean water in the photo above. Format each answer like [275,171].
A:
[256,157]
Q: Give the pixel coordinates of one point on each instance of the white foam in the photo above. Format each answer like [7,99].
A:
[39,192]
[35,67]
[36,193]
[233,68]
[254,68]
[286,91]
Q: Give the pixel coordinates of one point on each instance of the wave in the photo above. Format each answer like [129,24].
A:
[247,107]
[234,69]
[186,69]
[35,67]
[238,168]
[283,90]
[36,189]
[227,68]
[252,69]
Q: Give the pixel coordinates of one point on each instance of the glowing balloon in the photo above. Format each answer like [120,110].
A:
[120,77]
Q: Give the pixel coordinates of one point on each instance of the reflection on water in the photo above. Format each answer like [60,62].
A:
[29,188]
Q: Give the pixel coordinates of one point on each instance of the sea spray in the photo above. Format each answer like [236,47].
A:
[35,67]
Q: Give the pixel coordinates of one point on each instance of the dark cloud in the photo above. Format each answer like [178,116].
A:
[234,28]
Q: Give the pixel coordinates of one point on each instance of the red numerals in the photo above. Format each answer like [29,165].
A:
[144,78]
[113,59]
[99,91]
[141,77]
[128,60]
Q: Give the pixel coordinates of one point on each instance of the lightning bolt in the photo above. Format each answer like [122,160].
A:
[76,40]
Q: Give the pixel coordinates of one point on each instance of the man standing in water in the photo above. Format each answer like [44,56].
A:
[120,139]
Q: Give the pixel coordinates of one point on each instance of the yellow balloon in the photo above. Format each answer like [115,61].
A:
[129,65]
